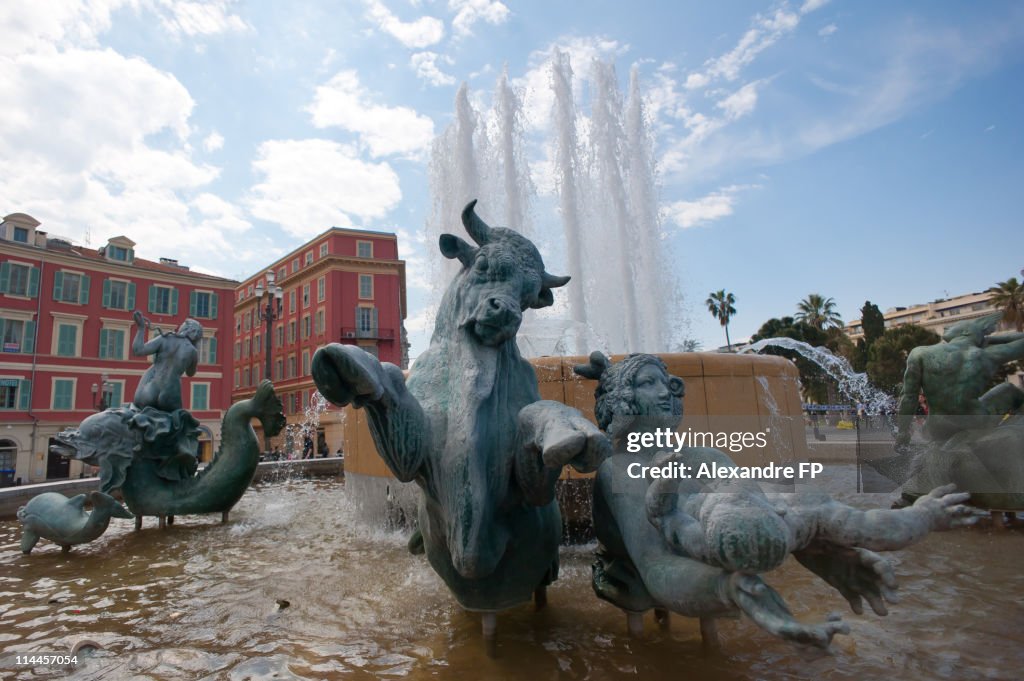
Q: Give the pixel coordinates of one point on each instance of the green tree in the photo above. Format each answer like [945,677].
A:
[818,311]
[720,305]
[887,358]
[872,323]
[1009,295]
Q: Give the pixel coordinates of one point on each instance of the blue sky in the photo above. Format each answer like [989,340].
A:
[858,150]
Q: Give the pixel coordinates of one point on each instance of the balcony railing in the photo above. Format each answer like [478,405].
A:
[352,333]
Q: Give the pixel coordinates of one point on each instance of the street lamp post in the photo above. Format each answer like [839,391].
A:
[102,392]
[268,310]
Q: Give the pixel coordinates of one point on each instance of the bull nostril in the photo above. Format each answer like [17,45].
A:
[493,304]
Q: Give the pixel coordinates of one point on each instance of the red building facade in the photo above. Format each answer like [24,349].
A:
[346,286]
[66,330]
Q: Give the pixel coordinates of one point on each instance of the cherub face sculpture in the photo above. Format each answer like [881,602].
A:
[638,386]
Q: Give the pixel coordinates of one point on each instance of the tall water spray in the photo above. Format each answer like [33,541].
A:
[602,227]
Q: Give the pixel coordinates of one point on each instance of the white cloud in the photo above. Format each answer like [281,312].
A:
[218,215]
[344,103]
[213,142]
[310,185]
[826,31]
[422,32]
[714,206]
[31,26]
[468,12]
[811,5]
[425,64]
[209,17]
[766,31]
[741,102]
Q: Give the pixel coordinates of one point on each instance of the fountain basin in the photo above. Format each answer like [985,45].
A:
[724,392]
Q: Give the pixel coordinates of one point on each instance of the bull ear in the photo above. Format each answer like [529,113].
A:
[544,299]
[454,247]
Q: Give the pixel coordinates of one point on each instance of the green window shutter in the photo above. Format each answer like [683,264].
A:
[106,293]
[131,295]
[174,301]
[131,255]
[375,321]
[58,285]
[118,344]
[33,282]
[192,304]
[28,343]
[5,274]
[152,298]
[213,306]
[83,290]
[104,337]
[213,351]
[25,396]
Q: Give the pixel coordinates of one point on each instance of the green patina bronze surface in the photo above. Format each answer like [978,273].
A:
[698,547]
[469,426]
[974,438]
[65,521]
[148,448]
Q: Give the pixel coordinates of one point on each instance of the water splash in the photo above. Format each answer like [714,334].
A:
[853,385]
[604,219]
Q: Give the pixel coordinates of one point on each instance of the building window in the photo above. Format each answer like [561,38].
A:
[257,344]
[202,304]
[112,343]
[281,274]
[237,384]
[63,394]
[366,286]
[118,295]
[17,335]
[320,324]
[306,331]
[364,249]
[291,301]
[280,335]
[238,349]
[291,331]
[305,296]
[256,374]
[71,287]
[15,394]
[208,350]
[291,366]
[163,300]
[321,289]
[117,253]
[115,392]
[278,365]
[20,235]
[19,280]
[366,320]
[246,347]
[295,265]
[309,258]
[67,340]
[245,377]
[305,362]
[323,250]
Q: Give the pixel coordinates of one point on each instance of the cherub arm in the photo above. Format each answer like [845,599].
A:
[139,344]
[883,529]
[193,363]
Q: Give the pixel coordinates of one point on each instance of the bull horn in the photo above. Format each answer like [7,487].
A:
[553,281]
[477,228]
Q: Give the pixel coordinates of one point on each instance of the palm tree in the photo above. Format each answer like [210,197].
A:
[720,306]
[1009,295]
[819,312]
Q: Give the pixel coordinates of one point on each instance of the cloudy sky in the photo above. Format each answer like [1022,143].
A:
[859,150]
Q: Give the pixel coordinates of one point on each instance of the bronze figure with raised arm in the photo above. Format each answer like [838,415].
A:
[176,353]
